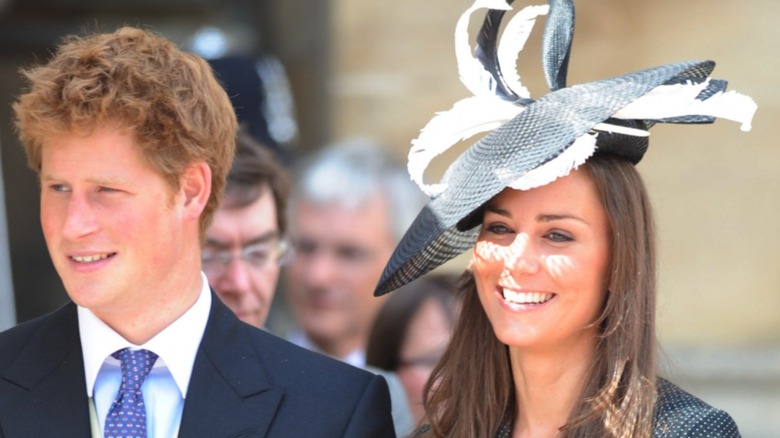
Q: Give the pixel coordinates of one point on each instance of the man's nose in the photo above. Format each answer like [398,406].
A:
[80,219]
[237,274]
[321,267]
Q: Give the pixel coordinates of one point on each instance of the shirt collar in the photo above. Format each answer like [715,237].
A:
[176,345]
[355,358]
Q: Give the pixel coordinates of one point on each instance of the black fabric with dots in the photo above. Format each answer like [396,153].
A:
[678,414]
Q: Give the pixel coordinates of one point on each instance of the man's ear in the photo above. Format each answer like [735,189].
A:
[196,188]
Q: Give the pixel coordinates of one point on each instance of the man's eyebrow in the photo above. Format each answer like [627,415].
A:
[263,238]
[97,181]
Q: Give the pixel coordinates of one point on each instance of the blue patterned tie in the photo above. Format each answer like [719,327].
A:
[127,416]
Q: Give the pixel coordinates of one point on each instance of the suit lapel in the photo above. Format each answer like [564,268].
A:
[229,394]
[50,373]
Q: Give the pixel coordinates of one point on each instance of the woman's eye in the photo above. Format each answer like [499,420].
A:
[498,229]
[557,236]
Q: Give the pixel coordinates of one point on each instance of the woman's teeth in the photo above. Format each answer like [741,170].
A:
[526,297]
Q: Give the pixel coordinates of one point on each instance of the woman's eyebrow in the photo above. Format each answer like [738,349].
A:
[558,217]
[498,211]
[547,217]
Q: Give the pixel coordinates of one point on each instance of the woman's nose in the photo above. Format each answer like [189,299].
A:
[522,255]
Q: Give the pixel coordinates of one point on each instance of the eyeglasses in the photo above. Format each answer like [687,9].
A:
[258,256]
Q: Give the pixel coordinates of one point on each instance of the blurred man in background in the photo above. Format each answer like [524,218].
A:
[350,205]
[245,244]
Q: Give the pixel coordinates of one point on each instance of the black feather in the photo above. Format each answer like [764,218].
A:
[487,52]
[556,42]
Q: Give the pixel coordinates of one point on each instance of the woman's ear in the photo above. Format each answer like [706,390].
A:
[196,188]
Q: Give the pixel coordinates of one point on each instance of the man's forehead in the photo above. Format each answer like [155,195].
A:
[337,218]
[249,223]
[374,205]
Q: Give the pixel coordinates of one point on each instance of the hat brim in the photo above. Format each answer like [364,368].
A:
[535,137]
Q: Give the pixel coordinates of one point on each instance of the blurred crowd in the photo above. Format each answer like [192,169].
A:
[299,242]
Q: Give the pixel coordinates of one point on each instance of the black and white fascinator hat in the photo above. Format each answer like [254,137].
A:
[533,142]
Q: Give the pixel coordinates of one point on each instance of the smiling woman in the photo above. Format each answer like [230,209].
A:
[556,336]
[560,309]
[540,264]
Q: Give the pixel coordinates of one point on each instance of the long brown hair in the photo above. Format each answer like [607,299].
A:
[471,389]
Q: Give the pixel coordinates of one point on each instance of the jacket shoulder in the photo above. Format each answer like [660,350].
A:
[680,414]
[338,399]
[283,358]
[16,339]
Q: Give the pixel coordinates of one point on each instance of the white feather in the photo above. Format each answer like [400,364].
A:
[571,158]
[473,75]
[667,101]
[609,127]
[513,40]
[466,118]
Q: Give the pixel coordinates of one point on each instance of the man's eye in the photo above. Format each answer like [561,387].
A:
[353,254]
[209,253]
[305,247]
[258,255]
[107,189]
[59,187]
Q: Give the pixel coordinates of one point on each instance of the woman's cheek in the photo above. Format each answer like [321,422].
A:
[488,253]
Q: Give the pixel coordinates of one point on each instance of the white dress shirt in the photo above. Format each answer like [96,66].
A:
[165,389]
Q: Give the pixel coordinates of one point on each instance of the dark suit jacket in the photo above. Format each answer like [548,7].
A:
[245,383]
